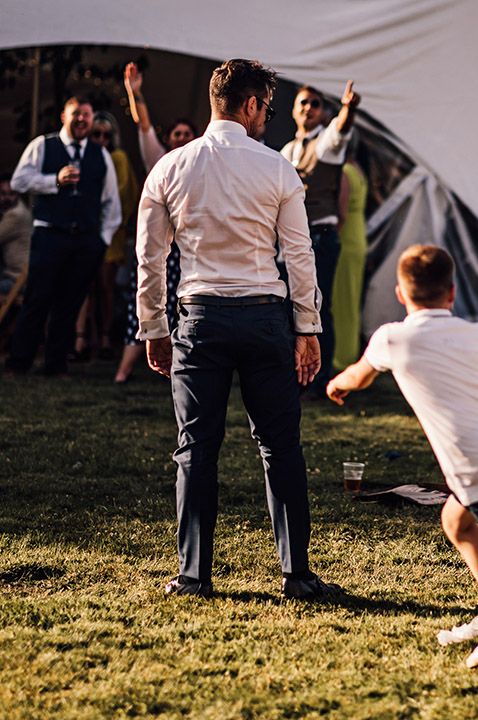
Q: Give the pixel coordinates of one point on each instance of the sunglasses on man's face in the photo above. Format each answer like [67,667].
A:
[313,103]
[98,134]
[270,112]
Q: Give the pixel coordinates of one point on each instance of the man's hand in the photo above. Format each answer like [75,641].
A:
[335,392]
[350,98]
[307,358]
[355,377]
[68,175]
[159,354]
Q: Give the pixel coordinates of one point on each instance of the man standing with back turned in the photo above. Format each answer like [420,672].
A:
[224,196]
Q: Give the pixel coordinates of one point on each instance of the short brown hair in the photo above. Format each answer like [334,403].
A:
[426,272]
[312,91]
[236,80]
[80,99]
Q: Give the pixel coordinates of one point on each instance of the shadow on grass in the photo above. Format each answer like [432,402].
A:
[30,573]
[357,604]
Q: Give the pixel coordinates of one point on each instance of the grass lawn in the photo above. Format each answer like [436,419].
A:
[88,541]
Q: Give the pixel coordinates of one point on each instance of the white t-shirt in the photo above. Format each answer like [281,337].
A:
[434,359]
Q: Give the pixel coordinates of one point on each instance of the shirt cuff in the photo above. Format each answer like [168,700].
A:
[307,323]
[50,183]
[107,235]
[153,330]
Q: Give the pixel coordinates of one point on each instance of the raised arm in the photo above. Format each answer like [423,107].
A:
[350,101]
[150,147]
[133,82]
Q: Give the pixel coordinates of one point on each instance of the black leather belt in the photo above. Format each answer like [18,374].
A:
[221,301]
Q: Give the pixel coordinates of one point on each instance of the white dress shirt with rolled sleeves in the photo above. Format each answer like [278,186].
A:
[28,177]
[226,199]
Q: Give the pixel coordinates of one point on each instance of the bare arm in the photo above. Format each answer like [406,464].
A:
[133,81]
[150,147]
[350,100]
[356,377]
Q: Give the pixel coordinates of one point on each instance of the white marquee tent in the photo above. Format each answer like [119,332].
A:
[414,62]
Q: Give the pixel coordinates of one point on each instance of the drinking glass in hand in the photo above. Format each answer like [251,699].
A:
[76,164]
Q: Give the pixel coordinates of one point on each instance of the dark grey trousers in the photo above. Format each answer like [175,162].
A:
[209,343]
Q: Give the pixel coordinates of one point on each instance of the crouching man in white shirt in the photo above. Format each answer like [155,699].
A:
[434,359]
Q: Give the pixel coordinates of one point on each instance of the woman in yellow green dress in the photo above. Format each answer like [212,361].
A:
[348,283]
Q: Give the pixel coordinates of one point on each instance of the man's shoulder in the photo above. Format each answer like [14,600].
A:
[39,140]
[49,140]
[286,151]
[172,157]
[260,147]
[388,332]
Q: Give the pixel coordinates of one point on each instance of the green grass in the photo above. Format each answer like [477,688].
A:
[87,542]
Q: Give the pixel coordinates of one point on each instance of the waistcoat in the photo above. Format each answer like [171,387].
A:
[321,181]
[64,209]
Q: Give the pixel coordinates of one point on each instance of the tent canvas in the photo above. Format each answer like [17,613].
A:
[413,61]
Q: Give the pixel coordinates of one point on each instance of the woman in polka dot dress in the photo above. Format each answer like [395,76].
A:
[178,134]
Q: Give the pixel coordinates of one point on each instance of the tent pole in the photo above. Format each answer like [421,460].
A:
[35,93]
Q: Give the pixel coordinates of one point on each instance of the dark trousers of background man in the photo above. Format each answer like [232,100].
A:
[326,247]
[62,267]
[210,342]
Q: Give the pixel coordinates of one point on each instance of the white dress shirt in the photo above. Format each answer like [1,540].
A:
[331,145]
[226,199]
[434,359]
[28,177]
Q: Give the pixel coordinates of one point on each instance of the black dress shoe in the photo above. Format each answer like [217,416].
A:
[310,588]
[183,585]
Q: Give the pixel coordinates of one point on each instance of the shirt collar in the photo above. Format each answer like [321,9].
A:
[427,312]
[225,126]
[67,140]
[311,134]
